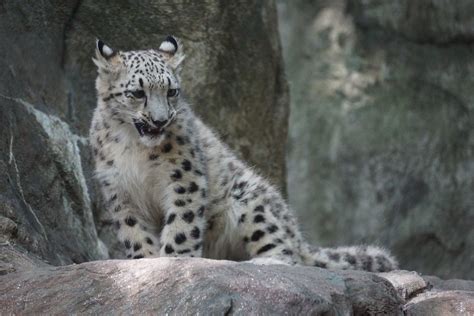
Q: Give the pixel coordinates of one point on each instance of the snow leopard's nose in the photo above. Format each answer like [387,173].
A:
[159,123]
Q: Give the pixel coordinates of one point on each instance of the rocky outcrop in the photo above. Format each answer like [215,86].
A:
[194,286]
[381,127]
[430,295]
[210,287]
[45,207]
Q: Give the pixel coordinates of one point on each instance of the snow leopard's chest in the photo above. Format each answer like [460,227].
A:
[139,179]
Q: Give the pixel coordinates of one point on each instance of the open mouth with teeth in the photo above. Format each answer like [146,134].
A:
[144,128]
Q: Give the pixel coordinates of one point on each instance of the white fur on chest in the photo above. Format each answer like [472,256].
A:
[137,179]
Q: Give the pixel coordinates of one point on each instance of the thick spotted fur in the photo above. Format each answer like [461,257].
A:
[174,189]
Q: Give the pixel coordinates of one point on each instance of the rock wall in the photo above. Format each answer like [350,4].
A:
[381,128]
[49,206]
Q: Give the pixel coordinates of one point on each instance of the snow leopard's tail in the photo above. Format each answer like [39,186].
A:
[367,258]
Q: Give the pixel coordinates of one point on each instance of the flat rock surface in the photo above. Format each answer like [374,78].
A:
[194,286]
[212,287]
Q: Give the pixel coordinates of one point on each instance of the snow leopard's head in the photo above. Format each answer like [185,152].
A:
[140,88]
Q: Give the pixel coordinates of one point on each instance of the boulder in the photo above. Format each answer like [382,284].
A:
[429,295]
[183,286]
[448,303]
[194,286]
[45,207]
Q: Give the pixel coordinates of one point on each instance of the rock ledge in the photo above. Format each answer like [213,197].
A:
[203,286]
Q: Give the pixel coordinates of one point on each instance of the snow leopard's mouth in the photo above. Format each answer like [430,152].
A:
[145,129]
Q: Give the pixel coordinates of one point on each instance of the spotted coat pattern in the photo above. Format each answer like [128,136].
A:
[178,190]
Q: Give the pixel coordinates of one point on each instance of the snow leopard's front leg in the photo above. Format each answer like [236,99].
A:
[135,234]
[185,204]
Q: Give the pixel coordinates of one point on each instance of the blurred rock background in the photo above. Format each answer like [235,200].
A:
[381,144]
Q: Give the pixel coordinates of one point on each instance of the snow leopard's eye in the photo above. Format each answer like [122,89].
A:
[172,92]
[139,94]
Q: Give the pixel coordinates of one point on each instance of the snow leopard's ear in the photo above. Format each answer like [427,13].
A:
[172,50]
[106,59]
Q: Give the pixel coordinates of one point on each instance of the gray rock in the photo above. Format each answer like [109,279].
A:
[441,303]
[407,283]
[44,202]
[194,286]
[381,134]
[454,284]
[15,259]
[430,295]
[202,286]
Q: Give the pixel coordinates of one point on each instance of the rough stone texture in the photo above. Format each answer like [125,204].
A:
[48,199]
[381,127]
[429,295]
[44,202]
[44,205]
[194,286]
[441,303]
[407,284]
[210,287]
